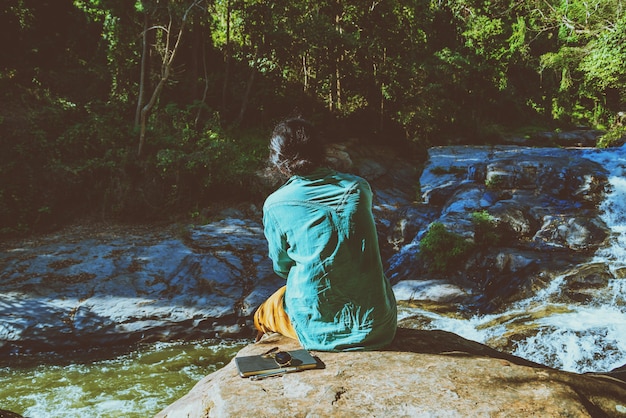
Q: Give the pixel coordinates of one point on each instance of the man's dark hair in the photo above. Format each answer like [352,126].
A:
[295,148]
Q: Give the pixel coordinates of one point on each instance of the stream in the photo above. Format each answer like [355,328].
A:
[111,382]
[548,328]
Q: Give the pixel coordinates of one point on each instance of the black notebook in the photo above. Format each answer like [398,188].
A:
[259,364]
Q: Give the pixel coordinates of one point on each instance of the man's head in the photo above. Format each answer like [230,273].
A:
[295,148]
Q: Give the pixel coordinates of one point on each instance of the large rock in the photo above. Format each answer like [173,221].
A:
[121,285]
[424,373]
[543,205]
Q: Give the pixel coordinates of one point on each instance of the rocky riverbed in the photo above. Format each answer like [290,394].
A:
[120,285]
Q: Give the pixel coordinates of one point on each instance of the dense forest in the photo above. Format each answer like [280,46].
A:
[144,110]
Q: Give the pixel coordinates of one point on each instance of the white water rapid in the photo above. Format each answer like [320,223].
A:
[581,337]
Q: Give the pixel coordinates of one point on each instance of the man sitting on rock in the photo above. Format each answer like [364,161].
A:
[322,240]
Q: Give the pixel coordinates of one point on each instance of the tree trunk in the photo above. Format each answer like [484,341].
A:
[338,60]
[338,82]
[305,71]
[145,111]
[166,67]
[142,75]
[226,59]
[206,83]
[382,94]
[246,96]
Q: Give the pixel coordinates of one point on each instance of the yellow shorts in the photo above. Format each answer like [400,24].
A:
[271,316]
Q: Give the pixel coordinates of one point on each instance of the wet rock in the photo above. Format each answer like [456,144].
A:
[8,414]
[429,290]
[542,206]
[591,284]
[108,290]
[594,275]
[581,231]
[574,138]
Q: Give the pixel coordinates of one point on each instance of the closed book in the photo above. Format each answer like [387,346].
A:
[260,364]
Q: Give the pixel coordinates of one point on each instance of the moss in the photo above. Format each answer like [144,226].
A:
[486,231]
[443,250]
[495,182]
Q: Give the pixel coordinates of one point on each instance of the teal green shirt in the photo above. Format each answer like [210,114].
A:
[322,239]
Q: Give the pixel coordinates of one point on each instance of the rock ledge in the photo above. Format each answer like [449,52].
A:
[423,373]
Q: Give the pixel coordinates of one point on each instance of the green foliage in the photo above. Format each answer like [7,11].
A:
[603,65]
[616,136]
[424,71]
[203,162]
[482,36]
[494,182]
[91,167]
[587,61]
[27,186]
[486,232]
[442,251]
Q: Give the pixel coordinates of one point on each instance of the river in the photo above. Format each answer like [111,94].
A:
[111,382]
[577,337]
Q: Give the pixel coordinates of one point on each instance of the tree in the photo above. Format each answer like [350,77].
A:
[193,75]
[603,66]
[167,47]
[589,49]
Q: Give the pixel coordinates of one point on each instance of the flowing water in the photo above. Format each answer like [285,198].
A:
[103,383]
[591,336]
[141,382]
[582,337]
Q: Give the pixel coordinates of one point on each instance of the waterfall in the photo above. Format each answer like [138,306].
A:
[592,336]
[576,337]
